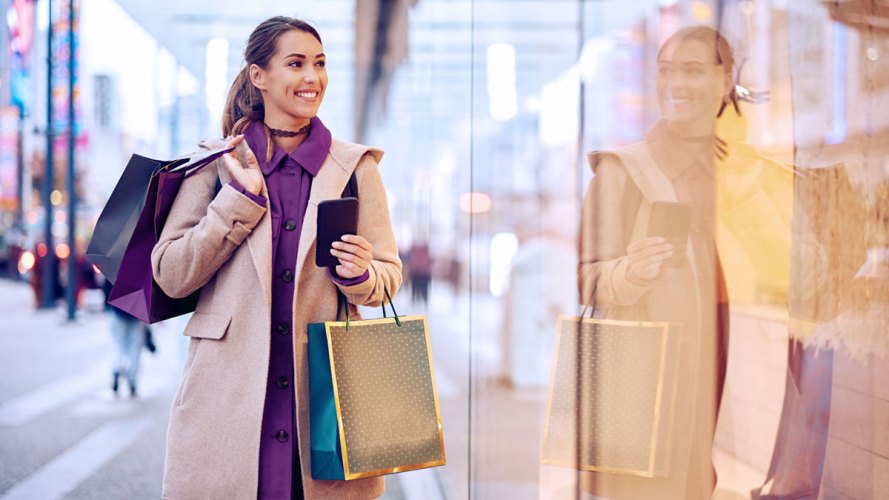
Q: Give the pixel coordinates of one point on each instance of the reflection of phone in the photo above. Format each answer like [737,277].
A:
[671,221]
[335,218]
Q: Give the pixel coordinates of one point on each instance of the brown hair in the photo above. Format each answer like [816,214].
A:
[244,104]
[723,55]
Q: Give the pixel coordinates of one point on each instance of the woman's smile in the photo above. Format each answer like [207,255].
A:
[307,95]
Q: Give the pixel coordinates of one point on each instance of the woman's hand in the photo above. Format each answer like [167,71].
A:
[250,177]
[354,254]
[646,258]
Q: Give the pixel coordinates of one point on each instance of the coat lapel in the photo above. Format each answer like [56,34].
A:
[260,239]
[260,244]
[327,185]
[641,167]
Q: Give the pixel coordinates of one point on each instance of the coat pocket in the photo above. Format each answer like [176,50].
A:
[208,325]
[202,327]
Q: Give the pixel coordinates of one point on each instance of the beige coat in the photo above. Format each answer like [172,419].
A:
[679,295]
[223,246]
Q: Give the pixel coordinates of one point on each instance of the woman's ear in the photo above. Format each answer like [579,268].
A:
[257,76]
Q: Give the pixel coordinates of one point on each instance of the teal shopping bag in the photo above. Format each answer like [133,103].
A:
[372,400]
[327,460]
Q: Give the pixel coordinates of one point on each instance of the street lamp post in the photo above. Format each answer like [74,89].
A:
[50,272]
[71,289]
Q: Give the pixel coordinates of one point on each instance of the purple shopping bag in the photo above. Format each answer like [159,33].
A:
[135,290]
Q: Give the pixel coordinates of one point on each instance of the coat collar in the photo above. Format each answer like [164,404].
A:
[310,155]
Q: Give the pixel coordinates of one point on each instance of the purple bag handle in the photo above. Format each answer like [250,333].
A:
[194,166]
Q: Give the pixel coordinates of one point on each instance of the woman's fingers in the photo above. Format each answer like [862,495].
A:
[354,254]
[643,243]
[348,257]
[351,268]
[358,240]
[649,247]
[250,177]
[349,248]
[235,141]
[647,256]
[251,158]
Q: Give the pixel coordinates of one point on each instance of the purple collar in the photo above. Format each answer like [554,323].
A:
[310,154]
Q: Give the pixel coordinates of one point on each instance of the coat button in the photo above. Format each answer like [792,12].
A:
[283,328]
[281,436]
[290,225]
[283,383]
[287,276]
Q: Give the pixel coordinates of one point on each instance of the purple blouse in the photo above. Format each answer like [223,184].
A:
[288,180]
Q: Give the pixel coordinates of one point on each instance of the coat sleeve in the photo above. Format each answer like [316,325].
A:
[201,232]
[605,234]
[375,226]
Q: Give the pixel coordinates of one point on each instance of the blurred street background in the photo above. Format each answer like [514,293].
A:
[486,110]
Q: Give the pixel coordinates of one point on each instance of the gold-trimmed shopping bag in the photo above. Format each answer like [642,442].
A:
[374,408]
[611,395]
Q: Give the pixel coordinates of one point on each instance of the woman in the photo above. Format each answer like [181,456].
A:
[629,274]
[239,427]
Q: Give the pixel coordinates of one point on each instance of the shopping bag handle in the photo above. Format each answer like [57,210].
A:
[391,304]
[591,307]
[203,162]
[343,304]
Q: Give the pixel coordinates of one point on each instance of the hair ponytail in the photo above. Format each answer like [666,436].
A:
[242,106]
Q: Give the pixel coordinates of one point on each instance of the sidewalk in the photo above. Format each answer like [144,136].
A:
[63,434]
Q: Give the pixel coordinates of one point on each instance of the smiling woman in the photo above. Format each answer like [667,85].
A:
[240,425]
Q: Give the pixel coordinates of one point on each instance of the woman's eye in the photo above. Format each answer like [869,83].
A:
[321,64]
[296,64]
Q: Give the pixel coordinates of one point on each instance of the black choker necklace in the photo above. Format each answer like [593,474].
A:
[288,133]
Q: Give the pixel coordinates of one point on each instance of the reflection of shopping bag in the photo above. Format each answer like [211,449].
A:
[127,231]
[609,404]
[374,407]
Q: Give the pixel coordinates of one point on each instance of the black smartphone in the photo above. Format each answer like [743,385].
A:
[671,221]
[335,219]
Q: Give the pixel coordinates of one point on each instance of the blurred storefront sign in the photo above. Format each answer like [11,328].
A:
[9,153]
[20,23]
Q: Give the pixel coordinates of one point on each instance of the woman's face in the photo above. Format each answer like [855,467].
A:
[294,81]
[690,86]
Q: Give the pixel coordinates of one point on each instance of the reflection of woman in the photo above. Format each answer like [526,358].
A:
[239,427]
[632,275]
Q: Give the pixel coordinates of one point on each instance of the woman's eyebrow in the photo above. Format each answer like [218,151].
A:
[303,56]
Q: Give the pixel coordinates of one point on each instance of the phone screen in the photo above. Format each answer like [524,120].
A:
[335,219]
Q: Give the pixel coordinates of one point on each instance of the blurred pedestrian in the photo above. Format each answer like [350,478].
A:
[129,335]
[419,264]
